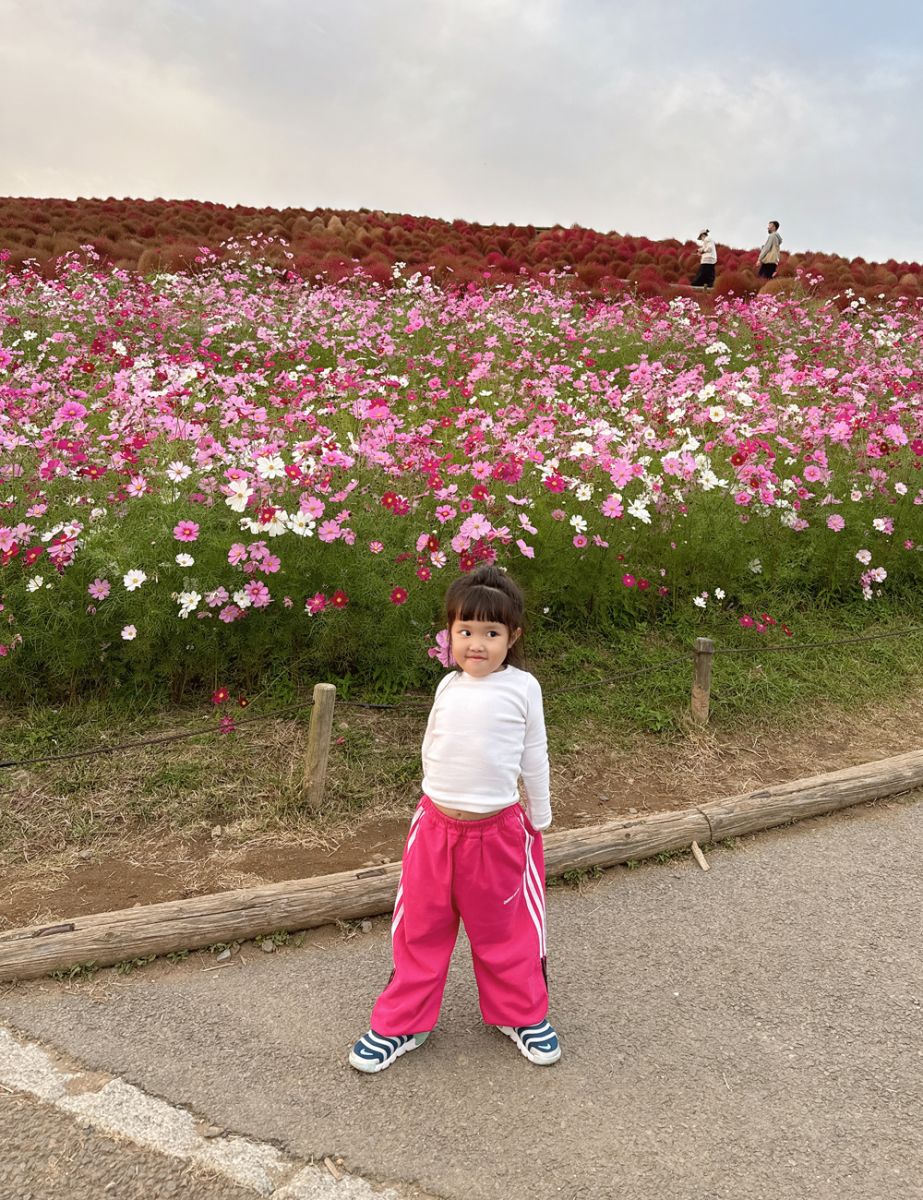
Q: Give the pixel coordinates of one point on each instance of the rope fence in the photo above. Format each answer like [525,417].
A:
[321,706]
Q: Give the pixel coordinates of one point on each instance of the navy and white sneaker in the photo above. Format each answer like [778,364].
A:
[373,1051]
[538,1042]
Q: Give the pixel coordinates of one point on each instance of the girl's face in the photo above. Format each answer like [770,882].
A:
[480,647]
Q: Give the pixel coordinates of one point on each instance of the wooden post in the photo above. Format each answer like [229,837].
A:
[704,651]
[315,759]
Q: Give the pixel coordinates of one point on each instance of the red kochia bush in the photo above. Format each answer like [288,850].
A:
[736,282]
[166,235]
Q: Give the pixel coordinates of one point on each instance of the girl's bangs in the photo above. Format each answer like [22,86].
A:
[483,603]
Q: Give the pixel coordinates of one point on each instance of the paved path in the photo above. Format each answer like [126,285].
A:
[751,1033]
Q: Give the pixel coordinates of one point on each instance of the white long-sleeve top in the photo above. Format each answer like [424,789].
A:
[707,251]
[482,734]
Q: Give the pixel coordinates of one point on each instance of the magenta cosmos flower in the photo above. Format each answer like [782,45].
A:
[186,531]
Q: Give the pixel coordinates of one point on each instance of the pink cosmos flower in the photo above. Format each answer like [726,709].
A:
[579,541]
[99,589]
[376,547]
[237,554]
[442,650]
[746,621]
[258,593]
[398,595]
[475,526]
[611,507]
[316,604]
[836,523]
[445,512]
[525,549]
[230,613]
[628,580]
[329,531]
[186,531]
[312,506]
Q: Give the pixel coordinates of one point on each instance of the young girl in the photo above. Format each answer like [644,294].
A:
[472,853]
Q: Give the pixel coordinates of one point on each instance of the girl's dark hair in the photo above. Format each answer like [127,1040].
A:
[488,594]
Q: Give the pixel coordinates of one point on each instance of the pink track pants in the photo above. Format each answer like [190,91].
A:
[491,875]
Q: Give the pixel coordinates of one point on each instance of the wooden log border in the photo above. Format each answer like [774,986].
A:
[101,939]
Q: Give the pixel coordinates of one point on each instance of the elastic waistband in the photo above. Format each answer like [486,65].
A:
[512,812]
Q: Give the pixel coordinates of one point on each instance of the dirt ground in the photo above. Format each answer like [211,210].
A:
[648,774]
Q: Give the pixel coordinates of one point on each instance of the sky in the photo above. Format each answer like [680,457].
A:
[648,117]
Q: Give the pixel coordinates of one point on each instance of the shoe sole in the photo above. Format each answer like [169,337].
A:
[368,1068]
[534,1056]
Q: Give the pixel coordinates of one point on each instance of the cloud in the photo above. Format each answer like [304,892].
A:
[646,118]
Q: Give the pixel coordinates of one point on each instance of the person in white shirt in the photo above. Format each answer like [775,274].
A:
[708,257]
[473,853]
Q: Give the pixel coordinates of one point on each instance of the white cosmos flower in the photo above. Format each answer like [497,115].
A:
[638,510]
[185,560]
[240,493]
[719,593]
[755,566]
[188,602]
[129,633]
[241,599]
[583,491]
[133,579]
[270,467]
[579,523]
[34,583]
[301,524]
[276,526]
[178,471]
[699,601]
[716,413]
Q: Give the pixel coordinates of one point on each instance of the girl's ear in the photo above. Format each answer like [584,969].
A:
[514,636]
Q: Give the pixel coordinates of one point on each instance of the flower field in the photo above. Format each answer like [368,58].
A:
[232,476]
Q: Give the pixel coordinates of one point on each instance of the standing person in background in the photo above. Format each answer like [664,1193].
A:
[708,256]
[770,253]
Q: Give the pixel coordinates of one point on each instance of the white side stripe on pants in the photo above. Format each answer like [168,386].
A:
[399,898]
[533,891]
